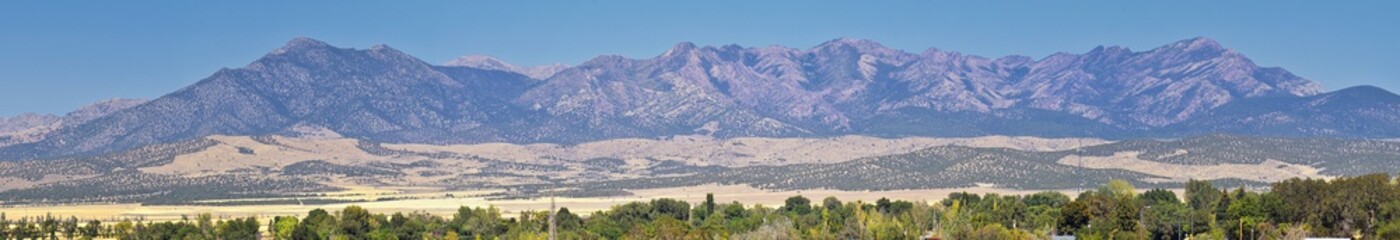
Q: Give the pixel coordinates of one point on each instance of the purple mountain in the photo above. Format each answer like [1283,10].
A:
[843,86]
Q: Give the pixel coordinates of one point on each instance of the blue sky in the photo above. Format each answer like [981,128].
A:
[58,55]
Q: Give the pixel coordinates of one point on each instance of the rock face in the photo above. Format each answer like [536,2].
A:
[843,86]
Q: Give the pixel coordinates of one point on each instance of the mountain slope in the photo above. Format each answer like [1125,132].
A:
[1361,112]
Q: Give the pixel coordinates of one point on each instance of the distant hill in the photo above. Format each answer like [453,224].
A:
[1230,160]
[224,167]
[31,127]
[1357,112]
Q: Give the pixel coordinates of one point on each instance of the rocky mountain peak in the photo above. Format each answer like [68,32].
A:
[479,61]
[680,48]
[860,44]
[1198,43]
[386,50]
[1198,48]
[1110,50]
[1014,60]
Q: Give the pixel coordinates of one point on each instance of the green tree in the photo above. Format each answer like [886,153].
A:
[567,221]
[92,228]
[238,228]
[70,228]
[4,227]
[797,204]
[1049,198]
[708,207]
[1357,201]
[676,209]
[1201,195]
[381,234]
[1159,196]
[1389,231]
[284,227]
[354,222]
[1119,189]
[1302,200]
[125,230]
[205,223]
[668,228]
[1166,220]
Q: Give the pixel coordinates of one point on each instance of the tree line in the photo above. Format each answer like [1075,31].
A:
[1363,207]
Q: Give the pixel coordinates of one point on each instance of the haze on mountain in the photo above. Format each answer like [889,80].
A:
[840,87]
[491,63]
[30,127]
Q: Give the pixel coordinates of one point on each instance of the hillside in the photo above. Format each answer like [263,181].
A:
[291,165]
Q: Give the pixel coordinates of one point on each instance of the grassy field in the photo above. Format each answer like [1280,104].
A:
[439,202]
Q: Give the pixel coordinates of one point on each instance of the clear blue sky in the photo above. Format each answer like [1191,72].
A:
[58,55]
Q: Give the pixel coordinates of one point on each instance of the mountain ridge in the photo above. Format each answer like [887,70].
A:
[30,127]
[842,86]
[492,63]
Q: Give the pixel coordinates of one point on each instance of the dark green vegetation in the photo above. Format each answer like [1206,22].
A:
[115,178]
[152,155]
[315,167]
[938,167]
[202,227]
[1367,206]
[1337,157]
[132,186]
[953,166]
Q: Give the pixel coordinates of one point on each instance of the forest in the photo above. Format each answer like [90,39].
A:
[1362,207]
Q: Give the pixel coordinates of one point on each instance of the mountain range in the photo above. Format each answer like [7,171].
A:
[840,87]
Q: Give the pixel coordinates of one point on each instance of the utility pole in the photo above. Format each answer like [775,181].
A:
[1142,221]
[554,186]
[1078,160]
